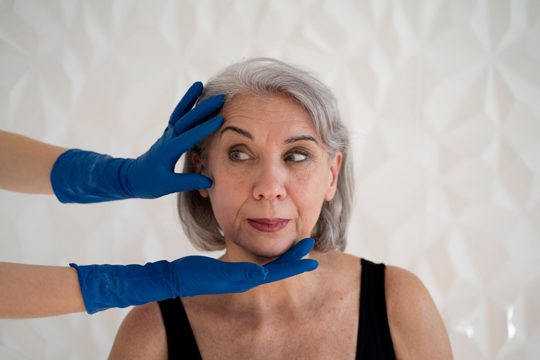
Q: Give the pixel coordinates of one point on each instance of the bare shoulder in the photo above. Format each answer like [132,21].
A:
[338,275]
[417,329]
[339,261]
[141,335]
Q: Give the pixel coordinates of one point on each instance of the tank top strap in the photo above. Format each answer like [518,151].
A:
[374,339]
[181,342]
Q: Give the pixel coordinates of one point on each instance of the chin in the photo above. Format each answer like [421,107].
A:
[266,253]
[261,256]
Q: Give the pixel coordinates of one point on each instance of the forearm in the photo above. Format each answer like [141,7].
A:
[35,291]
[26,164]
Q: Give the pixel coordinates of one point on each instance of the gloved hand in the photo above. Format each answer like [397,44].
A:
[107,286]
[85,177]
[287,265]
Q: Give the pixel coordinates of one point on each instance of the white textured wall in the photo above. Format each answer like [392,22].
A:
[442,98]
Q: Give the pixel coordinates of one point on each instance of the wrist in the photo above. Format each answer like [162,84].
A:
[124,183]
[80,176]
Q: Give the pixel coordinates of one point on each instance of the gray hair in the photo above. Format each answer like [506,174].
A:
[270,77]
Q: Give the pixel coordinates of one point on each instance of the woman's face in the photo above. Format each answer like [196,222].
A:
[271,175]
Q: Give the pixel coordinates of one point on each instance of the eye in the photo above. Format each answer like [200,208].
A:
[237,155]
[297,156]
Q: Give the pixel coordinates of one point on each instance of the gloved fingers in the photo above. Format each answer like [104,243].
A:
[186,182]
[298,251]
[287,265]
[241,271]
[186,103]
[174,148]
[199,113]
[286,270]
[204,276]
[276,273]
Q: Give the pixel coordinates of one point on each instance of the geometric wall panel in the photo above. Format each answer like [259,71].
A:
[441,98]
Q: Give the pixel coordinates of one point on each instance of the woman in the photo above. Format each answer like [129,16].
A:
[282,172]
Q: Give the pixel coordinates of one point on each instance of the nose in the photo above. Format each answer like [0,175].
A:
[269,182]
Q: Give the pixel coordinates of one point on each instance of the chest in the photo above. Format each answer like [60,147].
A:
[323,331]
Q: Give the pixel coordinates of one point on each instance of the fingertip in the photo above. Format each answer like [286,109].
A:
[186,103]
[202,182]
[310,264]
[218,120]
[303,247]
[195,90]
[206,183]
[210,126]
[191,182]
[215,100]
[197,85]
[308,242]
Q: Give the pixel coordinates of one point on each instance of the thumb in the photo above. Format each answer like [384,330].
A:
[185,182]
[298,251]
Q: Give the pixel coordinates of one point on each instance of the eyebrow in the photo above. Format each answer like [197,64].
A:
[237,130]
[249,136]
[300,138]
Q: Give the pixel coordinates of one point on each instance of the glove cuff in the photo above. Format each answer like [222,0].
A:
[84,273]
[119,286]
[80,176]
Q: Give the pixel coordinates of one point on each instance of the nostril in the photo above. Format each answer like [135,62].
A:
[269,189]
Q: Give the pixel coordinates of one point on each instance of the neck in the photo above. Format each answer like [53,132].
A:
[287,294]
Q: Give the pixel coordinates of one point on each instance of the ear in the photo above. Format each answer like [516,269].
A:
[199,169]
[335,167]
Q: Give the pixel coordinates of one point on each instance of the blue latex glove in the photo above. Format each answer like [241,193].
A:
[86,177]
[108,286]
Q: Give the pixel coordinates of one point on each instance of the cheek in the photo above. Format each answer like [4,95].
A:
[312,181]
[227,195]
[308,196]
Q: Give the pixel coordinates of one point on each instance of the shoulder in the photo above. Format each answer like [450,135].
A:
[340,268]
[337,277]
[337,261]
[141,335]
[415,323]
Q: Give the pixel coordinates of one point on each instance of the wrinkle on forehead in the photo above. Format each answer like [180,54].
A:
[247,111]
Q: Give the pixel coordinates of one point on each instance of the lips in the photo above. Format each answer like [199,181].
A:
[268,225]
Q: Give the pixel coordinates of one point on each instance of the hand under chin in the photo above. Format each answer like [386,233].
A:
[255,254]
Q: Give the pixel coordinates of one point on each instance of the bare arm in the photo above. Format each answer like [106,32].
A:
[36,291]
[26,164]
[417,329]
[141,335]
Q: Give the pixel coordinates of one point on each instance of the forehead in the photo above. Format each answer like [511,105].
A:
[278,114]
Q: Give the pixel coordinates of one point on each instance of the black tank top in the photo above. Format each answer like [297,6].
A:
[374,340]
